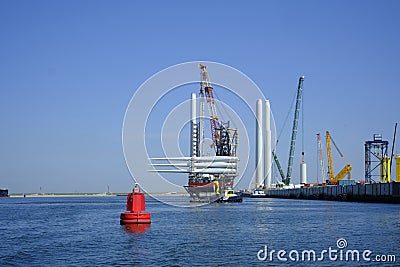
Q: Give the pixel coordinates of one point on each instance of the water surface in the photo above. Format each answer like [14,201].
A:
[85,231]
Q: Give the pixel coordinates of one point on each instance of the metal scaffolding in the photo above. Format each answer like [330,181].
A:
[376,155]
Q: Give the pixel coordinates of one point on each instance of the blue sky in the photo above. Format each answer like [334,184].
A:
[69,68]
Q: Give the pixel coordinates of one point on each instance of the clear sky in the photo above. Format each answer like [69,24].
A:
[69,69]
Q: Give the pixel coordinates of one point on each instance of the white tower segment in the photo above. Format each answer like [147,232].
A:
[193,127]
[259,145]
[267,145]
[201,123]
[303,173]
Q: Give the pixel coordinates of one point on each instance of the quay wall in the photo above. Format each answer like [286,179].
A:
[375,192]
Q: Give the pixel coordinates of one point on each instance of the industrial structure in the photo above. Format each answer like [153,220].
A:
[303,173]
[208,175]
[211,177]
[265,153]
[377,187]
[397,158]
[334,179]
[333,186]
[377,158]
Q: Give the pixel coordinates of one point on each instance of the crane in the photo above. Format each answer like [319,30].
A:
[321,158]
[223,140]
[286,180]
[278,165]
[345,171]
[294,131]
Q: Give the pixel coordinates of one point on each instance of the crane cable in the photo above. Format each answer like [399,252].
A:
[223,107]
[286,120]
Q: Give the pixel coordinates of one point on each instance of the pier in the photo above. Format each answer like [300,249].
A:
[374,192]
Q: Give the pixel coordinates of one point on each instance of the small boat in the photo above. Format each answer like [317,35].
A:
[258,193]
[229,196]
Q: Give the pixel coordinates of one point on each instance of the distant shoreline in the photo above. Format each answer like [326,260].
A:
[93,194]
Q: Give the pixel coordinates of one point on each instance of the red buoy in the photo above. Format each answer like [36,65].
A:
[136,208]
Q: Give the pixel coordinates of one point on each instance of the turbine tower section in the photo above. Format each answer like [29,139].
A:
[267,145]
[194,140]
[259,146]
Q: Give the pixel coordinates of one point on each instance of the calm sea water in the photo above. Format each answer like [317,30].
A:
[85,231]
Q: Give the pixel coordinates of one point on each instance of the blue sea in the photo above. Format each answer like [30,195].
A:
[85,231]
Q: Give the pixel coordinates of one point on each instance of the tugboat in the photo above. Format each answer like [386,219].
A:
[229,196]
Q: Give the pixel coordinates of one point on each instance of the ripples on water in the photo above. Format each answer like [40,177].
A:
[85,231]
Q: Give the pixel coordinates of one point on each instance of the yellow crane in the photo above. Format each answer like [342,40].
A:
[345,171]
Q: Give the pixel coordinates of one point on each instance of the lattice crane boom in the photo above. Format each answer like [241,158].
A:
[205,86]
[294,131]
[321,158]
[343,172]
[278,165]
[331,172]
[220,134]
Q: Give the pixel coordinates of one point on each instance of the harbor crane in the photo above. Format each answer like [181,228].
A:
[345,171]
[223,137]
[286,180]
